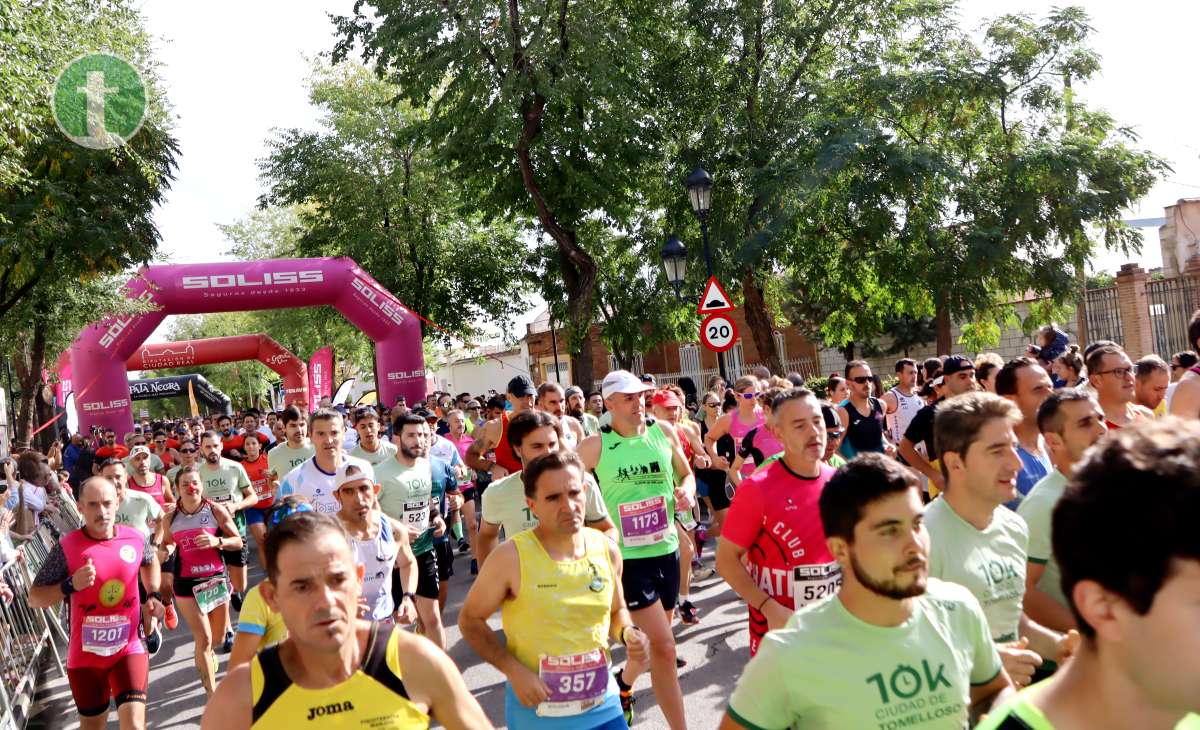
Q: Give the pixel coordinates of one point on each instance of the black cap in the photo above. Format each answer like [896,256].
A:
[648,378]
[521,386]
[427,415]
[956,364]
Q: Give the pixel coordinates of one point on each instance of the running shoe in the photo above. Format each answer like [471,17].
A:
[703,574]
[687,613]
[464,546]
[474,567]
[227,645]
[170,618]
[680,662]
[627,703]
[154,641]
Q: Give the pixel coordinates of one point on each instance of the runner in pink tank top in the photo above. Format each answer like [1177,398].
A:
[738,430]
[202,529]
[737,423]
[97,568]
[155,488]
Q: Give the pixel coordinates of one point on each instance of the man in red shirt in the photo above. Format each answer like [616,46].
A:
[231,439]
[111,449]
[774,524]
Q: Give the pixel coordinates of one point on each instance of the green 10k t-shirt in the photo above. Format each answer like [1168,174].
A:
[829,670]
[991,563]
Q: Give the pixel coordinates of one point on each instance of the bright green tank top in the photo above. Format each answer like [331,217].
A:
[637,481]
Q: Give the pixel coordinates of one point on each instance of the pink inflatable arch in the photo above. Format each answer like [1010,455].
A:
[186,353]
[98,355]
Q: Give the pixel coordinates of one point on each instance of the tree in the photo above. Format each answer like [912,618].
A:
[41,327]
[67,211]
[368,188]
[635,310]
[746,98]
[71,217]
[540,108]
[975,175]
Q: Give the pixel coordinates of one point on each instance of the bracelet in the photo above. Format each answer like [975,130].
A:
[409,595]
[762,603]
[155,595]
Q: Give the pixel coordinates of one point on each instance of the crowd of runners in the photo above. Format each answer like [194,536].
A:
[987,543]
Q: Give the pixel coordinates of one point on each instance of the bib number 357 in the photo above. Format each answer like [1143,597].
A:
[577,682]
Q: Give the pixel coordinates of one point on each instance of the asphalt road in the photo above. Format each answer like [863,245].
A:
[715,651]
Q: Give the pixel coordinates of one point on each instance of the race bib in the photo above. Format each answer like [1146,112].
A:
[645,522]
[814,582]
[263,489]
[416,514]
[577,682]
[105,635]
[211,593]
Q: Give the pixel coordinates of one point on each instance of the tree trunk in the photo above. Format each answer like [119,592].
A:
[943,326]
[29,361]
[44,407]
[762,328]
[848,351]
[577,267]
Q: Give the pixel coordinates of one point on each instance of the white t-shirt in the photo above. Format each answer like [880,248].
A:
[444,449]
[317,485]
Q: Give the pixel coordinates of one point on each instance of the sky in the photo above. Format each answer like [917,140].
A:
[235,71]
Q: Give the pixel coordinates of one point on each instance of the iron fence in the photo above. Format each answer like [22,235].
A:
[27,634]
[1104,315]
[1171,302]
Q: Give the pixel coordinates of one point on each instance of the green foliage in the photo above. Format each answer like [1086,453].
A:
[971,175]
[67,213]
[546,110]
[819,385]
[365,185]
[637,309]
[72,219]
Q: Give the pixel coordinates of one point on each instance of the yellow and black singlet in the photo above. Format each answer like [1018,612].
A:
[373,697]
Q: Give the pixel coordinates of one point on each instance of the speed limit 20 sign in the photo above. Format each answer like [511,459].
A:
[718,332]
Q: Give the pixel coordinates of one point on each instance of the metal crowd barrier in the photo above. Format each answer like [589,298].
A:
[26,633]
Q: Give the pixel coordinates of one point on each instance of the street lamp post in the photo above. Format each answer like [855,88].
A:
[699,186]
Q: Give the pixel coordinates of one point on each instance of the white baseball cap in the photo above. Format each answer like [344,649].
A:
[352,472]
[623,381]
[140,450]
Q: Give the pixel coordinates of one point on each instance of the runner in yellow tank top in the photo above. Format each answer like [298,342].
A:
[333,668]
[558,589]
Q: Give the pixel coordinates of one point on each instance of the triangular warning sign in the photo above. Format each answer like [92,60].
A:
[715,299]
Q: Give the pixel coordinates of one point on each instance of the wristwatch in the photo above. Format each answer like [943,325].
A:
[409,595]
[155,595]
[67,586]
